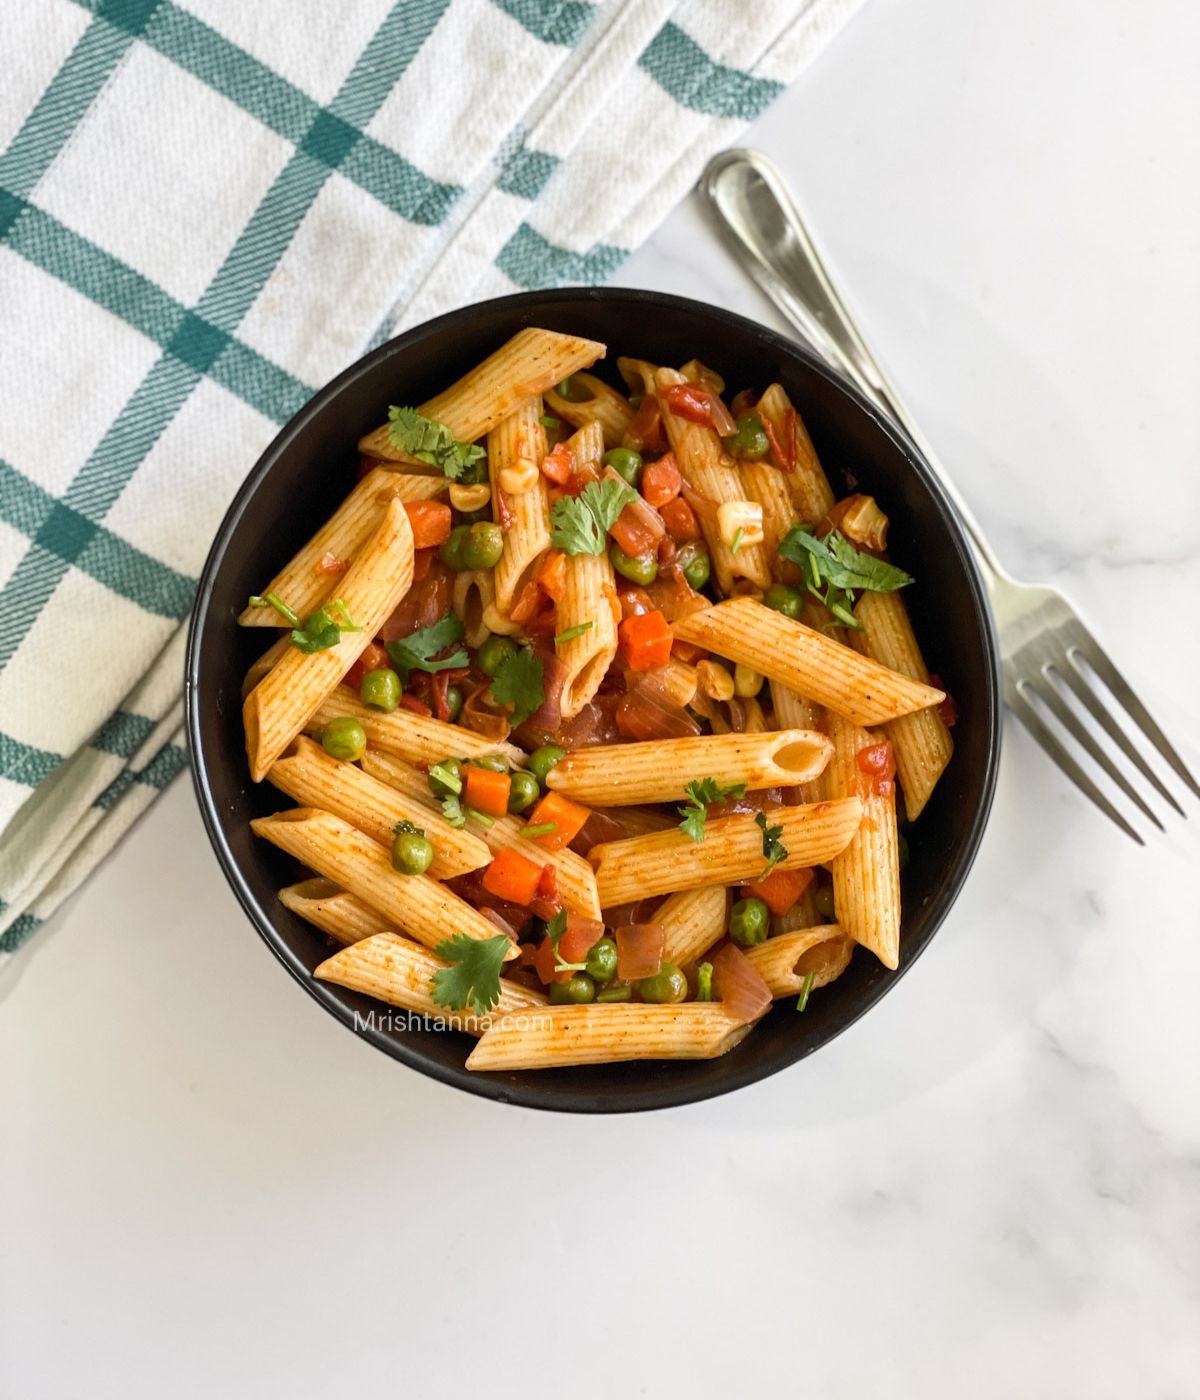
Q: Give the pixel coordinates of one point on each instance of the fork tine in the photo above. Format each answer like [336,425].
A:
[1071,676]
[1049,696]
[1025,712]
[1085,645]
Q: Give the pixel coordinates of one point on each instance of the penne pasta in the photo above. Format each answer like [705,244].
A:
[659,770]
[768,486]
[603,406]
[731,852]
[413,904]
[833,675]
[693,921]
[259,667]
[866,874]
[402,776]
[527,365]
[417,738]
[596,1035]
[315,573]
[920,741]
[311,778]
[473,594]
[284,701]
[590,602]
[397,971]
[704,465]
[807,483]
[334,911]
[516,447]
[785,961]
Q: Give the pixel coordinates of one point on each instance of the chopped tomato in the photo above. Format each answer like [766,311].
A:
[486,792]
[512,876]
[781,457]
[430,521]
[416,706]
[504,513]
[559,463]
[630,535]
[661,481]
[947,709]
[372,659]
[422,563]
[645,641]
[567,817]
[639,950]
[440,685]
[680,520]
[789,439]
[525,603]
[878,764]
[780,889]
[578,480]
[552,574]
[548,884]
[545,962]
[580,935]
[689,401]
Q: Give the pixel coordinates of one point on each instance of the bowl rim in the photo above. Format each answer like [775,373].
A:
[496,1088]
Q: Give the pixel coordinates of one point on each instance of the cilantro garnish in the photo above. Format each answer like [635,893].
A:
[273,600]
[407,828]
[700,792]
[539,829]
[415,653]
[579,524]
[518,682]
[452,810]
[738,535]
[833,568]
[572,632]
[802,1002]
[473,979]
[433,443]
[322,629]
[773,847]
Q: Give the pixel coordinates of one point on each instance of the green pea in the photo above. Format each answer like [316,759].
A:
[454,702]
[482,545]
[381,689]
[750,922]
[344,738]
[452,769]
[602,960]
[540,761]
[494,653]
[450,550]
[693,559]
[575,991]
[825,904]
[643,569]
[621,992]
[412,853]
[784,599]
[523,792]
[493,762]
[749,439]
[667,985]
[626,463]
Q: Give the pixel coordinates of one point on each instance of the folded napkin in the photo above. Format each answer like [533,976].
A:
[209,208]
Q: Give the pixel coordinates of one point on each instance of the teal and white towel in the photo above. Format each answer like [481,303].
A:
[207,209]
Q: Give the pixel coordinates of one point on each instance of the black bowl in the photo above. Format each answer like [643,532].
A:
[312,464]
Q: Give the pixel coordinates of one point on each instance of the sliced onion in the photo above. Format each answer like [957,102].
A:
[643,715]
[494,916]
[483,716]
[640,950]
[739,985]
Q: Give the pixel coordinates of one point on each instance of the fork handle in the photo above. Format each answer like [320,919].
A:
[752,200]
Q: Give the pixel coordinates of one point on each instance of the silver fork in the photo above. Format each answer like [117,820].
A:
[1046,649]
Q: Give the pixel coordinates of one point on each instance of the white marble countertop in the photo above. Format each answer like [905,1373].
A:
[988,1187]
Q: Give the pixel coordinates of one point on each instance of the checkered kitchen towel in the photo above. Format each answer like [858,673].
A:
[207,209]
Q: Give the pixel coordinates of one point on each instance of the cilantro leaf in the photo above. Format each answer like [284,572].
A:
[518,682]
[324,627]
[273,600]
[556,927]
[473,979]
[432,443]
[407,828]
[578,524]
[773,847]
[414,653]
[452,810]
[834,560]
[700,792]
[806,988]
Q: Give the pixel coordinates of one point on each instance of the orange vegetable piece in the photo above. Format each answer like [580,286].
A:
[512,876]
[569,819]
[780,889]
[552,574]
[645,641]
[430,521]
[485,791]
[559,463]
[661,481]
[680,520]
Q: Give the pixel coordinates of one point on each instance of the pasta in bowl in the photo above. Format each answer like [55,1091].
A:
[593,710]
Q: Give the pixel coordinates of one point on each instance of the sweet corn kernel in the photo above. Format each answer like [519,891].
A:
[746,516]
[747,682]
[715,680]
[520,477]
[468,498]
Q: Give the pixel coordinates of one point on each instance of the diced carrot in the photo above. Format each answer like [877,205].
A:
[430,521]
[780,889]
[568,818]
[645,641]
[372,658]
[559,463]
[485,791]
[512,876]
[680,520]
[526,601]
[661,481]
[552,574]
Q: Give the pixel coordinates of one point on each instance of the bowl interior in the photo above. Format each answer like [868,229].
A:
[313,463]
